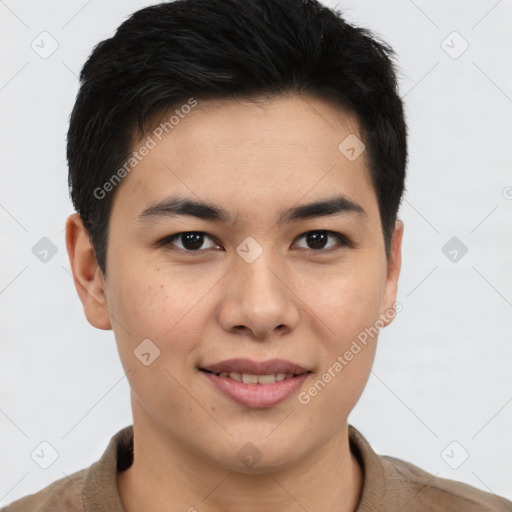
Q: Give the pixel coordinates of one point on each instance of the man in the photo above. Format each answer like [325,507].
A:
[237,169]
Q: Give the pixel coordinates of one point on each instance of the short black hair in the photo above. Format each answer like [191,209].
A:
[166,54]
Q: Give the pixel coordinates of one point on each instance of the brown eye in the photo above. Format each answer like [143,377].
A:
[197,241]
[190,241]
[317,240]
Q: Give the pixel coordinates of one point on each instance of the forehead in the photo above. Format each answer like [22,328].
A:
[243,155]
[296,120]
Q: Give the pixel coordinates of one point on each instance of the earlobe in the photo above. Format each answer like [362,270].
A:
[394,265]
[88,278]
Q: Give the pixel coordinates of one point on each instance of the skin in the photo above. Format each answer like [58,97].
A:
[293,302]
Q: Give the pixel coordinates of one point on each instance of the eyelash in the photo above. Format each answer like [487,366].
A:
[343,241]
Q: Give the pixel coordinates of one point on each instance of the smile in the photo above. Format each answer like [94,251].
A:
[248,378]
[256,391]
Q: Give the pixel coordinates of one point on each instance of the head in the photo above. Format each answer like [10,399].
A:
[242,113]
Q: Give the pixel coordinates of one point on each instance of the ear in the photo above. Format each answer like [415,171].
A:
[87,275]
[393,272]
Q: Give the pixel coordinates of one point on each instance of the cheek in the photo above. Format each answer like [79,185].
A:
[349,306]
[151,301]
[148,305]
[349,345]
[162,306]
[348,300]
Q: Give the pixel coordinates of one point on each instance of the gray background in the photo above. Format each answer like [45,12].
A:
[442,372]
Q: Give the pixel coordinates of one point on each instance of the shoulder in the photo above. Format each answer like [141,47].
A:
[421,491]
[90,489]
[391,484]
[63,494]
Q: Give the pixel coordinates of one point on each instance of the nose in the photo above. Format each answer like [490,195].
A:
[258,299]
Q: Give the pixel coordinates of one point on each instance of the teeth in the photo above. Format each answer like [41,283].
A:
[249,378]
[266,379]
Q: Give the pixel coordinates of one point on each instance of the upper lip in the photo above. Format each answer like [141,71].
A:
[272,366]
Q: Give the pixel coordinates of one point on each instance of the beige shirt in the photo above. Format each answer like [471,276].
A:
[390,485]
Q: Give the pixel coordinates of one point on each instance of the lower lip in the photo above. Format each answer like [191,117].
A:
[257,395]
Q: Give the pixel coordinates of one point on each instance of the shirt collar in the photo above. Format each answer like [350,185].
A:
[100,491]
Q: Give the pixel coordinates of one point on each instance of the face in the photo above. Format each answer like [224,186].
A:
[260,279]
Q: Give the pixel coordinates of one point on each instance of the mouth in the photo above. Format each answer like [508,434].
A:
[256,384]
[252,378]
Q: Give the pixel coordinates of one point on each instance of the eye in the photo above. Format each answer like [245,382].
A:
[317,240]
[193,241]
[190,241]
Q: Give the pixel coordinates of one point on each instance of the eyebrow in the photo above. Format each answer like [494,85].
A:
[178,206]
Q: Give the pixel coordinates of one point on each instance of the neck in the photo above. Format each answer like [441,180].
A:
[167,477]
